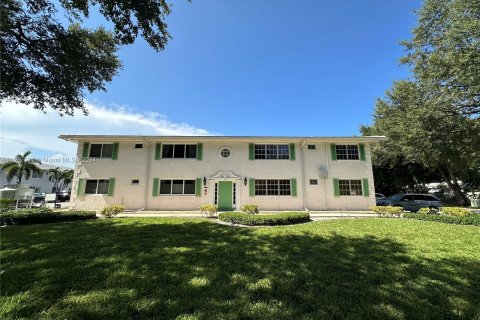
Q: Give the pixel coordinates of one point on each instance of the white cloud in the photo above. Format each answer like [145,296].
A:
[24,128]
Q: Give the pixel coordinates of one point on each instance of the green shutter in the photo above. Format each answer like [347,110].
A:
[251,185]
[199,151]
[85,149]
[80,190]
[336,188]
[198,187]
[155,187]
[158,150]
[333,149]
[292,151]
[361,148]
[251,151]
[111,186]
[115,151]
[366,191]
[293,187]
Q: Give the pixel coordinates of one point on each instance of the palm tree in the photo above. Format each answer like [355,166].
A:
[55,177]
[67,177]
[21,167]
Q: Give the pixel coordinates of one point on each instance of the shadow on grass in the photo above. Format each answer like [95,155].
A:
[199,270]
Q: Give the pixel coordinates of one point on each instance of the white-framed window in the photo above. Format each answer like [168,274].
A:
[312,147]
[347,152]
[272,187]
[179,151]
[225,152]
[177,186]
[350,187]
[313,181]
[272,151]
[138,145]
[96,186]
[135,181]
[101,150]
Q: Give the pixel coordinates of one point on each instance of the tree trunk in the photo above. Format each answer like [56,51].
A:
[455,187]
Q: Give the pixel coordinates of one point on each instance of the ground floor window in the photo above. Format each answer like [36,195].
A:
[177,186]
[350,187]
[96,186]
[272,187]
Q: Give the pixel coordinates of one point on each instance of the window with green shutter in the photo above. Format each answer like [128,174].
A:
[366,191]
[251,151]
[199,151]
[333,151]
[158,150]
[86,146]
[115,151]
[292,151]
[111,186]
[361,148]
[155,187]
[251,184]
[80,187]
[198,187]
[293,187]
[336,188]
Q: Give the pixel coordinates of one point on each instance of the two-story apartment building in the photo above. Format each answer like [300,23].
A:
[182,173]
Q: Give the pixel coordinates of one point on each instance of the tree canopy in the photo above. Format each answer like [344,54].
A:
[445,53]
[47,63]
[21,167]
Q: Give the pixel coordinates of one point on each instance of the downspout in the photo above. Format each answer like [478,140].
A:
[303,175]
[147,175]
[327,162]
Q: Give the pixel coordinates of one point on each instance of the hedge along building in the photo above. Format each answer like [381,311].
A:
[182,173]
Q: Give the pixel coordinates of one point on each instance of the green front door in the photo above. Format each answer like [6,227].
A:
[225,195]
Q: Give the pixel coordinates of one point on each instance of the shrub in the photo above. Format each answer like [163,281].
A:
[112,211]
[264,219]
[250,209]
[472,219]
[6,204]
[42,215]
[209,210]
[387,211]
[455,211]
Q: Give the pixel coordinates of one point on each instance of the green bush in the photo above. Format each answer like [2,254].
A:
[209,210]
[264,219]
[6,204]
[387,211]
[455,211]
[42,215]
[471,219]
[112,211]
[250,209]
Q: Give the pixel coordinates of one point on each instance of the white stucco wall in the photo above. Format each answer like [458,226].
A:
[140,164]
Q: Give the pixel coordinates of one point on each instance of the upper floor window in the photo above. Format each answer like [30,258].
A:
[347,152]
[96,186]
[350,187]
[272,151]
[312,147]
[272,187]
[179,151]
[138,145]
[101,150]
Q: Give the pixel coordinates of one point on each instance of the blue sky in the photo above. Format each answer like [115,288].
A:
[299,68]
[268,67]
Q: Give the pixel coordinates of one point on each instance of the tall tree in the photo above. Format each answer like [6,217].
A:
[445,53]
[49,63]
[55,175]
[21,167]
[423,133]
[67,177]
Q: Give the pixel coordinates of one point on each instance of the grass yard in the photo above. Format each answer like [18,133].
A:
[177,268]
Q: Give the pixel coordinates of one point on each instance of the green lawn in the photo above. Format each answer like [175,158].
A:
[176,268]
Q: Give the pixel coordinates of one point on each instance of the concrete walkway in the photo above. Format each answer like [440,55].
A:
[315,215]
